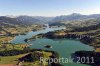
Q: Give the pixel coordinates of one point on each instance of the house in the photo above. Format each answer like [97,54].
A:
[1,33]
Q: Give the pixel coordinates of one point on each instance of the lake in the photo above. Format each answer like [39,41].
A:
[65,47]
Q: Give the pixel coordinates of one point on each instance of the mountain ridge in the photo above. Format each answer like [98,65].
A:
[29,20]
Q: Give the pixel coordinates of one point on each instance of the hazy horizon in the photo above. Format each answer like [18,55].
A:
[48,8]
[46,16]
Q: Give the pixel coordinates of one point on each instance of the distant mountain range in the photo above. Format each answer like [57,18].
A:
[64,19]
[76,20]
[74,16]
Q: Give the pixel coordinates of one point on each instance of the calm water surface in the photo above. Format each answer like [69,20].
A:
[64,47]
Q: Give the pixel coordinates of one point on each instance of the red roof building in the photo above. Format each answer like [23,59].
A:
[1,33]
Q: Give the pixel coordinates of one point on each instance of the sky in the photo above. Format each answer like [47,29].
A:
[49,7]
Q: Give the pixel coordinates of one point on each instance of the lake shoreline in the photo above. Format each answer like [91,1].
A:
[82,38]
[59,36]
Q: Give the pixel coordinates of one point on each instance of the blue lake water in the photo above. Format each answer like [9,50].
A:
[65,47]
